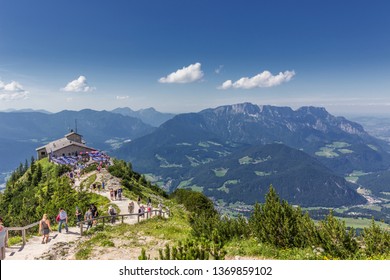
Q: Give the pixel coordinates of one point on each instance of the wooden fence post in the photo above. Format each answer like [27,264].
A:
[24,236]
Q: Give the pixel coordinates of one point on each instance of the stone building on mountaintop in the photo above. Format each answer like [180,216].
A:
[71,145]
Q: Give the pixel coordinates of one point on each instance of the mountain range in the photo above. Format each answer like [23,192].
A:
[188,143]
[149,115]
[231,152]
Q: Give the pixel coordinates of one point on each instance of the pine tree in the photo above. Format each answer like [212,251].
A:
[376,240]
[336,239]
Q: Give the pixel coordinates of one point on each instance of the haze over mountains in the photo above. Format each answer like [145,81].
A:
[232,153]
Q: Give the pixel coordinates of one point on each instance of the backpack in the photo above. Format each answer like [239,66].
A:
[58,218]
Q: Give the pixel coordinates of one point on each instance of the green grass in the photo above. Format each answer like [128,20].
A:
[326,152]
[183,144]
[14,240]
[374,207]
[358,173]
[354,176]
[373,147]
[220,172]
[361,223]
[214,143]
[128,236]
[222,153]
[338,145]
[352,179]
[345,151]
[194,162]
[261,173]
[196,188]
[223,189]
[249,160]
[251,248]
[173,165]
[204,144]
[186,183]
[165,164]
[245,160]
[151,177]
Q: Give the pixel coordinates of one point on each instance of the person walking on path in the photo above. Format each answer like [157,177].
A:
[120,193]
[160,208]
[63,219]
[88,217]
[44,228]
[112,194]
[112,213]
[79,215]
[131,207]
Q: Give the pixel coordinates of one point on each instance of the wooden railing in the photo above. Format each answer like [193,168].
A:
[23,231]
[4,237]
[4,234]
[106,219]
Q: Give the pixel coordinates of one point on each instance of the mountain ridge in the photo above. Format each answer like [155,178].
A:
[148,115]
[190,140]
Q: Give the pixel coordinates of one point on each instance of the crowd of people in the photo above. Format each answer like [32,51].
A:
[82,160]
[89,218]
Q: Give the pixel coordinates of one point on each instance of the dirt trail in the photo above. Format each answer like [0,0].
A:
[66,241]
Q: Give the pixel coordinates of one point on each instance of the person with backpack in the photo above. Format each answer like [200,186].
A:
[112,213]
[63,219]
[44,228]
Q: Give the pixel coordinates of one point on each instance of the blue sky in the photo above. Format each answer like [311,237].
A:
[181,56]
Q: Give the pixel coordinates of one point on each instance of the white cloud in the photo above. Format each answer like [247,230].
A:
[12,91]
[78,85]
[264,79]
[185,75]
[122,97]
